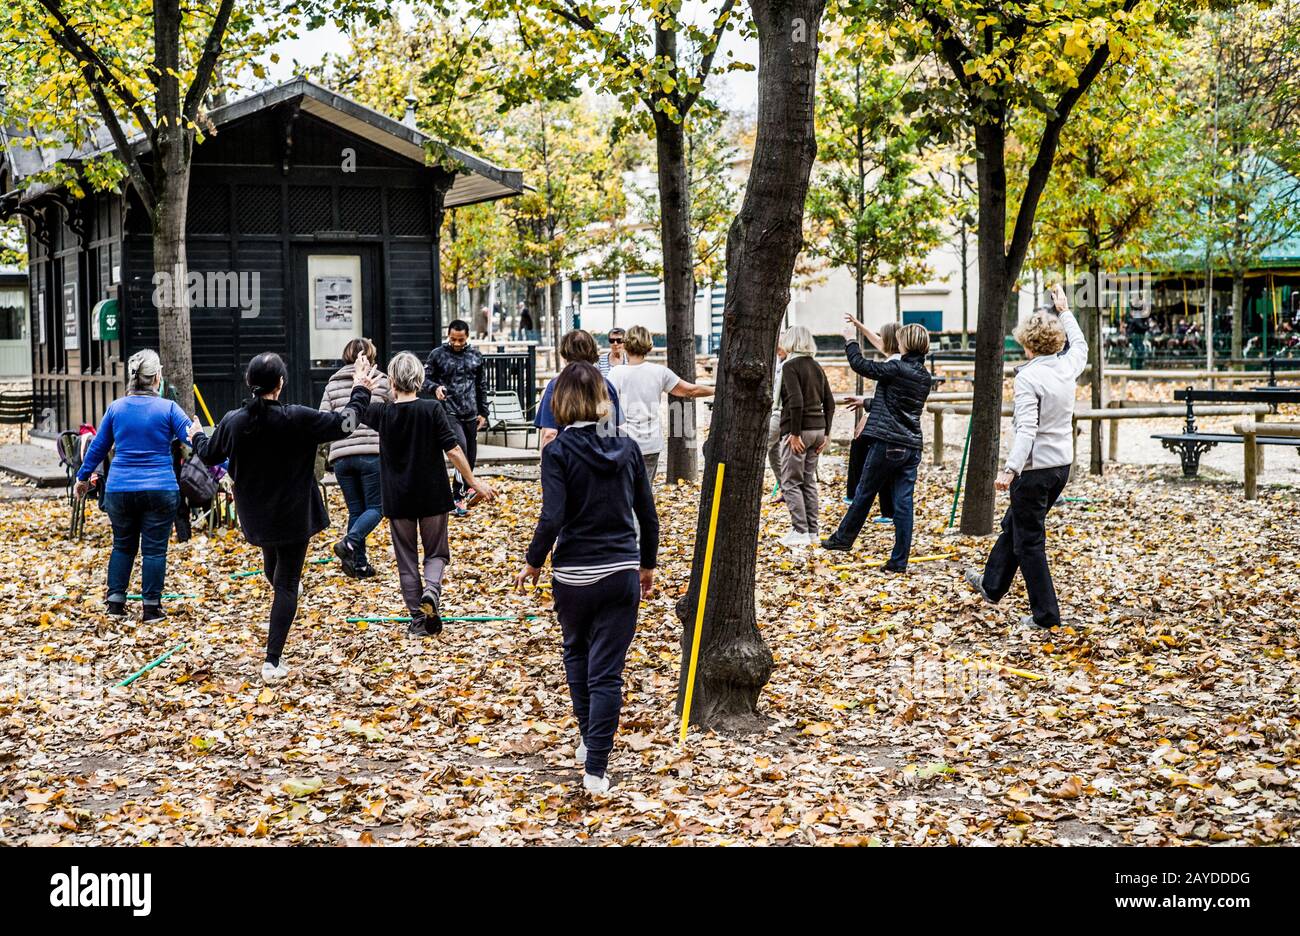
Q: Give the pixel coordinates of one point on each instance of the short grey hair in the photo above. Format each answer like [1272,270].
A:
[142,368]
[798,339]
[406,372]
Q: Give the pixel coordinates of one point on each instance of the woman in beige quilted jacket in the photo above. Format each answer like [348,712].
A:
[355,462]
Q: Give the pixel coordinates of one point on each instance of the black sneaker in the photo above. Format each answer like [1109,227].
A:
[416,628]
[832,543]
[429,608]
[343,549]
[115,609]
[365,570]
[154,612]
[894,569]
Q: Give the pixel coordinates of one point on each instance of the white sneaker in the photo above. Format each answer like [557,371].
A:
[580,755]
[814,538]
[274,673]
[793,540]
[598,786]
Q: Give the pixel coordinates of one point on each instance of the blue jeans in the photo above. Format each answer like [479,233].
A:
[358,478]
[142,522]
[891,467]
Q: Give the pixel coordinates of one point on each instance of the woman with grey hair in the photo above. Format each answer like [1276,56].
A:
[807,407]
[141,495]
[414,434]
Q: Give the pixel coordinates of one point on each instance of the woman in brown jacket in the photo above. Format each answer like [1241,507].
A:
[354,460]
[807,406]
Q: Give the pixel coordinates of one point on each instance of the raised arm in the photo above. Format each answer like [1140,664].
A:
[873,370]
[214,449]
[330,427]
[1076,350]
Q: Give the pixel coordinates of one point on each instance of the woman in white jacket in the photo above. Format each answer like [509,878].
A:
[1038,464]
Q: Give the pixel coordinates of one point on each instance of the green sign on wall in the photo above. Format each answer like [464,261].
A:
[103,320]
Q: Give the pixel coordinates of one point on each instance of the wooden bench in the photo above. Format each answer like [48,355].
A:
[1191,443]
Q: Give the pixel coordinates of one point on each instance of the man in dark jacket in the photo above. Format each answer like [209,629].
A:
[894,428]
[453,373]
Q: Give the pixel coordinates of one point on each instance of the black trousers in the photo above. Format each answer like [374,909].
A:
[467,433]
[858,458]
[282,566]
[598,622]
[1023,543]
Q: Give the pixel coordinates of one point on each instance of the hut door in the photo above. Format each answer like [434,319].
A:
[338,300]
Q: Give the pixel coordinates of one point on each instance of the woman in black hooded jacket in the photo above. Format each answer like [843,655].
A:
[272,451]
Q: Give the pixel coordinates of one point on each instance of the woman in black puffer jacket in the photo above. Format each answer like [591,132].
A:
[894,428]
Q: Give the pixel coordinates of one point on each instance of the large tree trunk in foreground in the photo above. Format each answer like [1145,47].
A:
[679,276]
[990,331]
[735,662]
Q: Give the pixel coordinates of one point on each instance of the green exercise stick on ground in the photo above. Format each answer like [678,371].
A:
[150,665]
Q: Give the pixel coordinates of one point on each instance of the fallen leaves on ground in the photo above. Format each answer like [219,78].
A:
[902,710]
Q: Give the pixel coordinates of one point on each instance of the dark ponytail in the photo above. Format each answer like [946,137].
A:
[263,376]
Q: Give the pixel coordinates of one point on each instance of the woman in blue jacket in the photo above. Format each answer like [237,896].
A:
[141,495]
[593,483]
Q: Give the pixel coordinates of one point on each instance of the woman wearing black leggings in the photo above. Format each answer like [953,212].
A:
[272,451]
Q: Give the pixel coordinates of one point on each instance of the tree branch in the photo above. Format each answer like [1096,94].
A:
[1042,166]
[954,51]
[706,64]
[71,41]
[207,63]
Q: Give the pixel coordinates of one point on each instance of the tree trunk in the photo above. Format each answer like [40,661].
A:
[679,277]
[1097,359]
[172,144]
[994,285]
[1238,311]
[764,240]
[174,347]
[965,286]
[1095,355]
[557,311]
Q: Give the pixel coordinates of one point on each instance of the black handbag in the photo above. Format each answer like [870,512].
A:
[198,487]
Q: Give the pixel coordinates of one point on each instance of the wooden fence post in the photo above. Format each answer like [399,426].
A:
[1251,460]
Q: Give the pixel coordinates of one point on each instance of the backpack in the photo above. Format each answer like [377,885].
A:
[197,485]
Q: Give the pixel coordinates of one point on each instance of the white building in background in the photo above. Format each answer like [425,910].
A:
[15,340]
[637,299]
[937,304]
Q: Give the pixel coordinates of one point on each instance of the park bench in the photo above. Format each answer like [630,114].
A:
[16,409]
[1191,443]
[506,414]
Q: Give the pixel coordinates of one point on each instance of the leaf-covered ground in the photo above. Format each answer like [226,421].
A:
[902,710]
